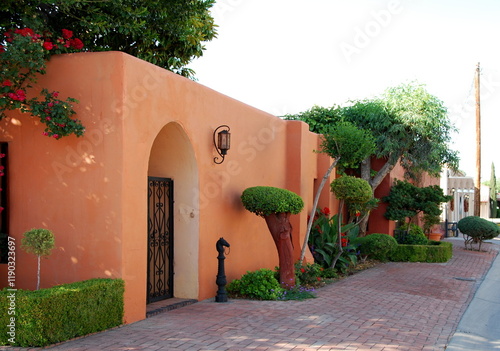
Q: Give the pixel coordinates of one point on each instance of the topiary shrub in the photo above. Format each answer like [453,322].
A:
[275,205]
[477,229]
[260,285]
[411,234]
[39,242]
[352,189]
[377,246]
[266,200]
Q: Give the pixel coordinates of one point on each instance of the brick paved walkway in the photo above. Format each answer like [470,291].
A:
[393,306]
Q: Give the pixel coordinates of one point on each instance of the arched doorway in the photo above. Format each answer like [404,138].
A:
[172,162]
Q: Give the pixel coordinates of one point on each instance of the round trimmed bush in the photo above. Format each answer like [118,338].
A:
[377,246]
[352,189]
[477,227]
[265,200]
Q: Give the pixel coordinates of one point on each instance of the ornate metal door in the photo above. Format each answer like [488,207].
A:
[160,239]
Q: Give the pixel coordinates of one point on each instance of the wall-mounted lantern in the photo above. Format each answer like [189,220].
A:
[223,142]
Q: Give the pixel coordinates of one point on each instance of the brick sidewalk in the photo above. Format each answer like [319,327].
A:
[393,306]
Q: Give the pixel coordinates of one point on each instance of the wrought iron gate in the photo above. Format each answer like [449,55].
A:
[160,239]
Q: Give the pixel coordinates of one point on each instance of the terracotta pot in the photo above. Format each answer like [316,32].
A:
[435,236]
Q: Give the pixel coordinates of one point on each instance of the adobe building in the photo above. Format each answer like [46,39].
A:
[143,194]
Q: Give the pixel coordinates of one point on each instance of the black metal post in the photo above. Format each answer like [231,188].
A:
[221,274]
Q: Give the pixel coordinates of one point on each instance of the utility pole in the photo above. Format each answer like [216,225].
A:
[477,181]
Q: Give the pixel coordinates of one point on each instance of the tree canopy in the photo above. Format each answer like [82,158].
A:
[169,34]
[410,126]
[407,200]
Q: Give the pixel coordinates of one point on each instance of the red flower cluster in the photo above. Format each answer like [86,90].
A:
[344,241]
[66,40]
[22,57]
[326,211]
[18,95]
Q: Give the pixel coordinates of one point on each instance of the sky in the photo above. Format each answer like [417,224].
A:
[285,56]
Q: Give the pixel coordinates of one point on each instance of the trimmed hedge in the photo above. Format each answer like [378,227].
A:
[436,251]
[47,316]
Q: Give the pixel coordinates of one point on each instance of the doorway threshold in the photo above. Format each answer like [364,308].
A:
[155,308]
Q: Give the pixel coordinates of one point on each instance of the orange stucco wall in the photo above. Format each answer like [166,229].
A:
[144,121]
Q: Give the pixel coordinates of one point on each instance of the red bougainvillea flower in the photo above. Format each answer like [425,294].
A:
[325,211]
[55,94]
[19,95]
[67,34]
[76,44]
[47,45]
[25,32]
[7,83]
[302,270]
[358,213]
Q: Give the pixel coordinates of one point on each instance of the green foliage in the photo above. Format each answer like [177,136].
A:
[168,34]
[430,221]
[261,285]
[411,234]
[39,242]
[478,228]
[425,131]
[377,246]
[265,200]
[433,252]
[352,189]
[407,200]
[49,316]
[409,125]
[323,241]
[308,274]
[347,143]
[318,118]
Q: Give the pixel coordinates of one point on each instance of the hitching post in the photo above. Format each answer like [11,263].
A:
[221,274]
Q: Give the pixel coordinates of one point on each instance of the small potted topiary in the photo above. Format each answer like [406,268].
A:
[276,205]
[39,242]
[430,227]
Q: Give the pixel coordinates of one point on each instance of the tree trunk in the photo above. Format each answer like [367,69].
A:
[281,231]
[339,235]
[374,182]
[38,275]
[313,210]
